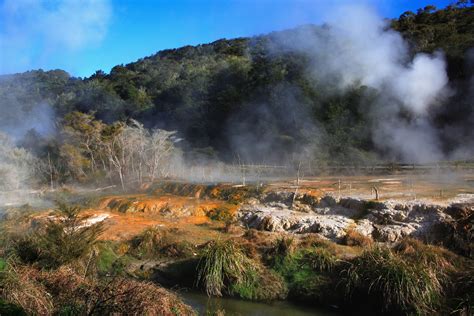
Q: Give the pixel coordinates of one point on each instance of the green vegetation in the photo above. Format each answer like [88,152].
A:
[222,261]
[60,268]
[224,268]
[223,214]
[391,283]
[62,240]
[308,271]
[203,91]
[409,278]
[155,242]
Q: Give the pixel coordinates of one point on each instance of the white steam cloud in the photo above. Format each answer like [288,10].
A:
[357,47]
[31,30]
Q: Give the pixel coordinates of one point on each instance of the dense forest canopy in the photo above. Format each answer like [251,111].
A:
[274,97]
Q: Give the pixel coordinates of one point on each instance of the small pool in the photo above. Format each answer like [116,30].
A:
[232,306]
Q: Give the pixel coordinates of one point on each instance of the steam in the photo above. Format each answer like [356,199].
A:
[17,120]
[32,30]
[253,132]
[356,47]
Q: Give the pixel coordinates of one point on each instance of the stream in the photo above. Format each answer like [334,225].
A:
[233,307]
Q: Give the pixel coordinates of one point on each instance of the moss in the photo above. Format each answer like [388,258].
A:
[261,285]
[309,274]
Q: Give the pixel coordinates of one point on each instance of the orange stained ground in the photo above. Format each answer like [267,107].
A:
[129,215]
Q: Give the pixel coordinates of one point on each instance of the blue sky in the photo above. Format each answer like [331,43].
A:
[81,36]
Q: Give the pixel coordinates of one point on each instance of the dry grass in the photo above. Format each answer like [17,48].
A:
[354,238]
[64,291]
[154,242]
[18,286]
[441,260]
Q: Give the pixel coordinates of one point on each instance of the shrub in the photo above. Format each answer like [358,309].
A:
[72,294]
[223,214]
[148,242]
[107,261]
[8,309]
[391,283]
[64,238]
[26,248]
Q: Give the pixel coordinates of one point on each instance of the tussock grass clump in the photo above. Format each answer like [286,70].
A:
[314,240]
[320,259]
[284,246]
[354,238]
[155,242]
[439,259]
[223,262]
[224,268]
[391,283]
[463,291]
[148,242]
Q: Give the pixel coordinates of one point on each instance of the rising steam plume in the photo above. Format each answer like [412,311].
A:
[357,47]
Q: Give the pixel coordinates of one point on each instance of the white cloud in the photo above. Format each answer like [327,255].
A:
[32,30]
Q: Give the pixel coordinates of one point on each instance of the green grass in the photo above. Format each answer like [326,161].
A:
[3,264]
[320,259]
[225,269]
[391,283]
[309,273]
[222,262]
[108,261]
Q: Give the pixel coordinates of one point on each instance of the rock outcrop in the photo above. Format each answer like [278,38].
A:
[387,221]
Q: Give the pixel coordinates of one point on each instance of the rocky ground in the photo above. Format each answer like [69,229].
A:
[332,218]
[277,208]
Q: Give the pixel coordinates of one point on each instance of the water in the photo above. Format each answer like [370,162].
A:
[233,307]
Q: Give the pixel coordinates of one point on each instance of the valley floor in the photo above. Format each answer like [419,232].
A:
[301,237]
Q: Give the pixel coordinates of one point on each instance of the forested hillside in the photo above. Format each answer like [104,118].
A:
[261,99]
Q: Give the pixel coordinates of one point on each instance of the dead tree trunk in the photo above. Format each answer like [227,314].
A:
[376,192]
[297,184]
